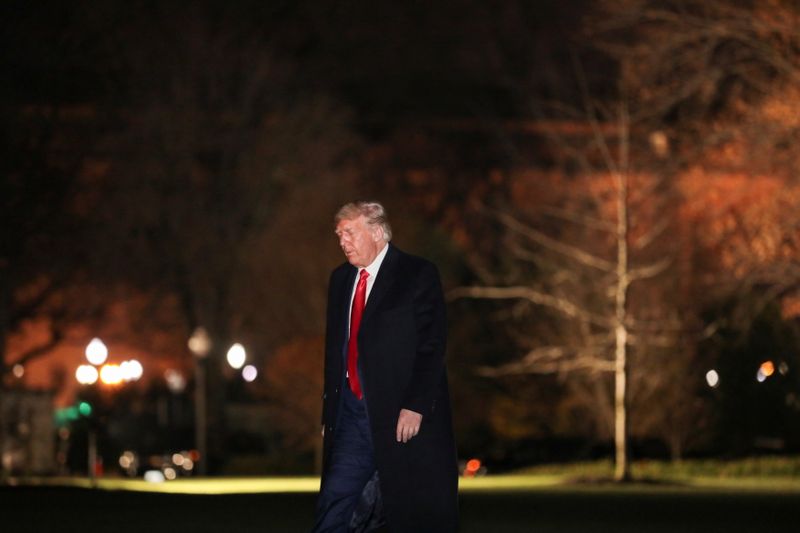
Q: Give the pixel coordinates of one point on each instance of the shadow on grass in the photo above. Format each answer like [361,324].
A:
[586,509]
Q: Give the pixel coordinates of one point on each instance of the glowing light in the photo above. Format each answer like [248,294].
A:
[154,476]
[86,374]
[111,374]
[236,356]
[18,371]
[96,352]
[766,369]
[85,408]
[126,460]
[136,369]
[783,368]
[659,143]
[131,370]
[175,380]
[125,370]
[178,459]
[712,378]
[473,465]
[188,464]
[249,373]
[169,473]
[200,343]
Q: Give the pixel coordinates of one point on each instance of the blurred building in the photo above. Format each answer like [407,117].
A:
[28,446]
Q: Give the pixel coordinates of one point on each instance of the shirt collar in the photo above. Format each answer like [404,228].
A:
[375,266]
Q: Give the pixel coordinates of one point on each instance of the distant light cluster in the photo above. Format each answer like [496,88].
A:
[107,373]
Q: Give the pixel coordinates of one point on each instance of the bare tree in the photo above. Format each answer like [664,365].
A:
[590,236]
[722,78]
[214,141]
[700,76]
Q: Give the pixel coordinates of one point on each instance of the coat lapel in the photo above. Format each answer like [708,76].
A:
[385,279]
[346,293]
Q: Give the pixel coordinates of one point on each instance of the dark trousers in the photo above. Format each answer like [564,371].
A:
[352,467]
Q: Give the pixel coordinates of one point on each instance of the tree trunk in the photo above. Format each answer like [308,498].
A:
[622,467]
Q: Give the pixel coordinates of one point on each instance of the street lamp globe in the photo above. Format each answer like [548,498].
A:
[111,374]
[86,374]
[200,343]
[96,352]
[236,356]
[131,370]
[249,373]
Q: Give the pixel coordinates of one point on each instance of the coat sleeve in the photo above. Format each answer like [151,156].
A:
[431,328]
[328,364]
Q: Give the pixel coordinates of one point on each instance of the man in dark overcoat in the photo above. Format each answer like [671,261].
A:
[389,455]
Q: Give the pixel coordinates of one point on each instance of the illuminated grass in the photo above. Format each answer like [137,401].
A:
[510,482]
[279,485]
[521,482]
[780,467]
[760,484]
[190,485]
[265,485]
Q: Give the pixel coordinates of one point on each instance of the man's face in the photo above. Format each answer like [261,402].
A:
[360,242]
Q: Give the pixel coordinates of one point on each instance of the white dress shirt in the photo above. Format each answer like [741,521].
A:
[372,269]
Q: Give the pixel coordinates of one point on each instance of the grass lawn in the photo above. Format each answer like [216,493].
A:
[499,504]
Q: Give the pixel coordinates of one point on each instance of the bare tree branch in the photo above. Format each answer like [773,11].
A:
[650,271]
[567,250]
[509,293]
[578,218]
[558,365]
[645,240]
[56,337]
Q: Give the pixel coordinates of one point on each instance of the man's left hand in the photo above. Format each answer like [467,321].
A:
[408,425]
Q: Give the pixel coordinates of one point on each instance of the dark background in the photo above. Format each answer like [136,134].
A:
[169,165]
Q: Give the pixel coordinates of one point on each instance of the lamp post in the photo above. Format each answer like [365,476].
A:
[96,353]
[109,374]
[200,345]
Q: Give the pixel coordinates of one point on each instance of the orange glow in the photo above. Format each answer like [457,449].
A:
[767,368]
[473,465]
[162,349]
[111,374]
[790,307]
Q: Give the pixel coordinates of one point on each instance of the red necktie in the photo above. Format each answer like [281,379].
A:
[359,300]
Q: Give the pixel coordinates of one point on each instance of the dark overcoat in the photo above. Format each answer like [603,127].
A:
[401,346]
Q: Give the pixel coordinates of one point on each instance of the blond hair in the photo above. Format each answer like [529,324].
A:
[374,212]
